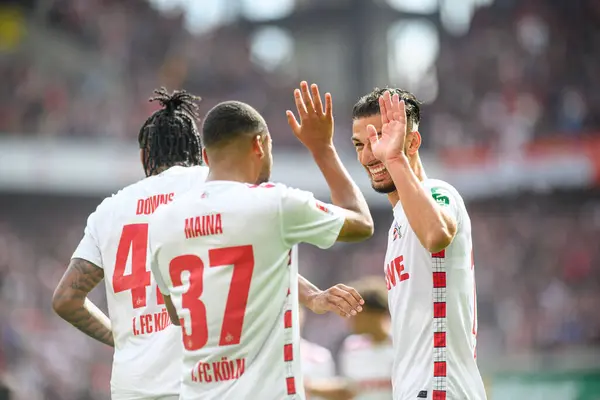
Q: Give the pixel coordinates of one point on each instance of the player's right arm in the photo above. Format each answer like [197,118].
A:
[84,273]
[340,299]
[70,301]
[315,131]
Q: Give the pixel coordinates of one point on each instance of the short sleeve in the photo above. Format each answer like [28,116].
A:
[89,246]
[446,198]
[307,220]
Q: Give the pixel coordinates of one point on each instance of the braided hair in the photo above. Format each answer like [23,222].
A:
[170,135]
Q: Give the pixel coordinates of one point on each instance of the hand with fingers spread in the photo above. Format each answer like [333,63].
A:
[315,129]
[390,144]
[340,299]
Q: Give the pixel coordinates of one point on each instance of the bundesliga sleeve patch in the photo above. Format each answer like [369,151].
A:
[441,196]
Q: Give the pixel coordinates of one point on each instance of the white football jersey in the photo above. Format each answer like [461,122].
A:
[222,253]
[432,303]
[148,351]
[369,366]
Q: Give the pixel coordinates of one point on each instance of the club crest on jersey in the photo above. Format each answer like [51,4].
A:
[322,207]
[397,232]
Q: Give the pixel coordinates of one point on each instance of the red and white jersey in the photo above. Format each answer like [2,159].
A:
[433,307]
[222,253]
[148,351]
[369,366]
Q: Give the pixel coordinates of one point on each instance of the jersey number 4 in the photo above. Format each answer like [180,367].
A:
[134,241]
[242,260]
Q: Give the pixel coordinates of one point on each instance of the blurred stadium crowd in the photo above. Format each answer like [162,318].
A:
[525,69]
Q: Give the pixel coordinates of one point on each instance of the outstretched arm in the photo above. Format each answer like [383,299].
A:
[70,301]
[315,131]
[341,299]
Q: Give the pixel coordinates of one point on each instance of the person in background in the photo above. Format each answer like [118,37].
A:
[318,368]
[367,355]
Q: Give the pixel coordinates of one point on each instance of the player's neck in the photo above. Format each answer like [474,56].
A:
[417,167]
[235,172]
[393,198]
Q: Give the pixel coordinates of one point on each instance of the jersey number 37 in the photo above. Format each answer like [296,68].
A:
[135,237]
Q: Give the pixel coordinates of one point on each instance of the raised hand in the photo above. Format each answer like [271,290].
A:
[315,129]
[340,299]
[390,145]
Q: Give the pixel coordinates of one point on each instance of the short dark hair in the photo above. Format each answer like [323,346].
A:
[374,292]
[170,136]
[368,105]
[231,120]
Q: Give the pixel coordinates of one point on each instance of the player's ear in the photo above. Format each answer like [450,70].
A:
[204,156]
[258,146]
[413,144]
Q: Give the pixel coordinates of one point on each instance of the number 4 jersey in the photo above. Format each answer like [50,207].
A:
[148,351]
[432,304]
[223,255]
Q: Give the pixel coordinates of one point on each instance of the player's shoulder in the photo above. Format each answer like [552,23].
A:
[315,353]
[267,187]
[276,190]
[161,182]
[125,194]
[356,343]
[114,201]
[441,189]
[196,171]
[432,183]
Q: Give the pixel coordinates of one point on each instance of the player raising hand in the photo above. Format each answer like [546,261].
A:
[429,268]
[222,255]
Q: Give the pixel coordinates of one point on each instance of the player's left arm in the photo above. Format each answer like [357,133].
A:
[70,301]
[340,299]
[171,310]
[434,224]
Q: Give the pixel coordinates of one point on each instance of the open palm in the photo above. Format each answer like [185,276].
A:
[390,143]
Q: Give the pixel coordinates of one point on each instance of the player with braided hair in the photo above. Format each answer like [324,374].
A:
[146,361]
[170,135]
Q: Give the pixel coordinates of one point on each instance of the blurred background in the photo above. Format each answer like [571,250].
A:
[511,117]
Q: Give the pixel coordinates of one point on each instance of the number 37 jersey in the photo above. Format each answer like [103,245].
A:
[222,253]
[148,351]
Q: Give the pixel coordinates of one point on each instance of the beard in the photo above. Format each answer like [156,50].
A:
[382,187]
[385,188]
